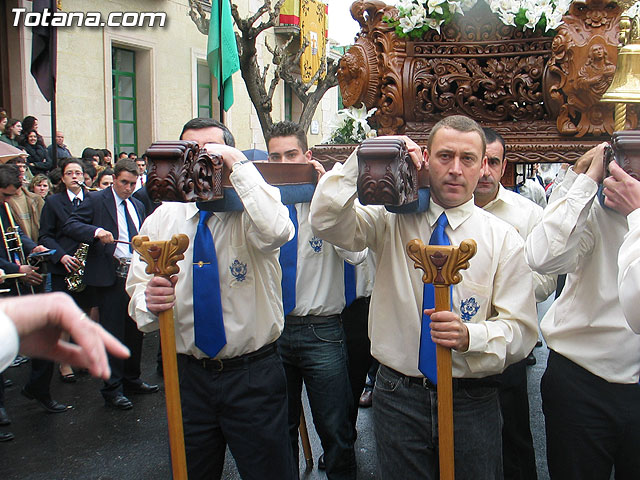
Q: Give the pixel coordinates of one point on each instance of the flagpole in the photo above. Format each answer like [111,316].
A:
[221,81]
[53,65]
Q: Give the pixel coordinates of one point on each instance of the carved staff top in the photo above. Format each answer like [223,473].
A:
[441,263]
[161,257]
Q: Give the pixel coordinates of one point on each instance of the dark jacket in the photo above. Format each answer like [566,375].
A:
[98,210]
[38,160]
[56,211]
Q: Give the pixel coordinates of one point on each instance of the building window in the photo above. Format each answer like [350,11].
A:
[124,100]
[205,105]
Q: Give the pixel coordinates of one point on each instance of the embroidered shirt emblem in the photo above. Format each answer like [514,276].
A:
[238,270]
[468,308]
[316,244]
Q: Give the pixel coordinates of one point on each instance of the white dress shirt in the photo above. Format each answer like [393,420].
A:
[586,324]
[9,341]
[522,214]
[247,248]
[629,272]
[319,271]
[72,196]
[502,325]
[122,248]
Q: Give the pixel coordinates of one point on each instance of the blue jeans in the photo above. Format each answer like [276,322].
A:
[405,420]
[313,350]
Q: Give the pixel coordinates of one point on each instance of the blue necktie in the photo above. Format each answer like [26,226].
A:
[207,304]
[427,358]
[349,283]
[288,263]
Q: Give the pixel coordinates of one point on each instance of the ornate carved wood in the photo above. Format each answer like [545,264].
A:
[182,172]
[540,92]
[386,174]
[625,151]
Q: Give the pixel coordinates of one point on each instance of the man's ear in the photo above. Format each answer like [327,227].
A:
[425,156]
[504,167]
[308,155]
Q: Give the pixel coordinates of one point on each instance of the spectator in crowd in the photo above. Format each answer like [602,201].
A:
[55,176]
[12,131]
[141,163]
[133,156]
[3,119]
[25,206]
[61,149]
[104,179]
[90,173]
[30,123]
[122,155]
[41,185]
[108,157]
[90,155]
[38,160]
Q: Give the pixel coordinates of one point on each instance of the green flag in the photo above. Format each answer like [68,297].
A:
[222,49]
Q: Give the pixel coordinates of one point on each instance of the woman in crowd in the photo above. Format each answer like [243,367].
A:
[12,131]
[38,161]
[41,185]
[56,210]
[104,179]
[31,123]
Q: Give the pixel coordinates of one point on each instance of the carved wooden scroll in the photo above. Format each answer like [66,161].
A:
[441,266]
[625,151]
[182,172]
[179,171]
[386,174]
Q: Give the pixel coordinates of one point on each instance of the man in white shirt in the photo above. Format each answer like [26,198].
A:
[312,344]
[236,397]
[590,390]
[517,442]
[488,328]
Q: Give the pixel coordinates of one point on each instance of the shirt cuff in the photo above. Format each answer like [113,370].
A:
[478,337]
[633,219]
[98,230]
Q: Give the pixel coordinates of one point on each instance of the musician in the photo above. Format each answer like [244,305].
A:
[55,213]
[107,220]
[493,317]
[26,206]
[590,389]
[312,344]
[238,397]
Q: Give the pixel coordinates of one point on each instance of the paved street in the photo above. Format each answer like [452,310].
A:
[93,442]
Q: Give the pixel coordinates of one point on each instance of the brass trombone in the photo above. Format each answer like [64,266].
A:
[13,244]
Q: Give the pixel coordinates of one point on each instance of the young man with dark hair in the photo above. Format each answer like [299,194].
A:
[312,344]
[227,303]
[107,220]
[204,126]
[493,319]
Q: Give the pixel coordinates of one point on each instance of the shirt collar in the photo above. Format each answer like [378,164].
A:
[117,198]
[193,212]
[456,216]
[502,196]
[72,196]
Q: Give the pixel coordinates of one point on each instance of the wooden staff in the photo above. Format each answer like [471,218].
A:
[306,444]
[441,265]
[161,258]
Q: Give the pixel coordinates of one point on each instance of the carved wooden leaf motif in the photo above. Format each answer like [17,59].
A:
[441,263]
[161,257]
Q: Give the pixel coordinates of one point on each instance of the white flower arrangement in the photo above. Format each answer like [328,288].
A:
[416,17]
[351,126]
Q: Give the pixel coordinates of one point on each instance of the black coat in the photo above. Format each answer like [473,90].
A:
[56,211]
[98,210]
[38,160]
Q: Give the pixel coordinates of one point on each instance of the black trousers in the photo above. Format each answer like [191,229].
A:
[42,370]
[355,321]
[518,454]
[113,303]
[244,408]
[592,425]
